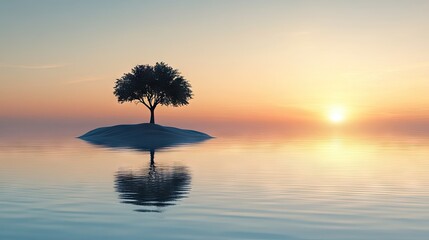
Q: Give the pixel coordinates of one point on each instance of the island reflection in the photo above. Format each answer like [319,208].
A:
[153,187]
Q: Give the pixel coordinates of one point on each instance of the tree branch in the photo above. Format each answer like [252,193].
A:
[157,101]
[143,101]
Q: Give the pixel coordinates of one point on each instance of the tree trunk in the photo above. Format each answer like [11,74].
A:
[152,115]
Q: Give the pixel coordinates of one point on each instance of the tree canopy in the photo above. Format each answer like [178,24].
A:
[152,86]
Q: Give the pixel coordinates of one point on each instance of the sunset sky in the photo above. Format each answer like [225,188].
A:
[256,62]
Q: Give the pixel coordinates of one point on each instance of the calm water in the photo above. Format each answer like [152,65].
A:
[332,187]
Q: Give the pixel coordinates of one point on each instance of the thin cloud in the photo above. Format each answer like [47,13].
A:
[36,67]
[373,74]
[303,33]
[85,80]
[408,67]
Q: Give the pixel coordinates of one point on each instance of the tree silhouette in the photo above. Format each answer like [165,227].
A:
[152,86]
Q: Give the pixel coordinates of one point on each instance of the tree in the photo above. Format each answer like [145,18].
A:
[152,86]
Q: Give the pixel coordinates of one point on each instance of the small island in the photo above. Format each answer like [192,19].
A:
[144,136]
[151,86]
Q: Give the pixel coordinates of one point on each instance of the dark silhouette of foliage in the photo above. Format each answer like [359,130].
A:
[152,86]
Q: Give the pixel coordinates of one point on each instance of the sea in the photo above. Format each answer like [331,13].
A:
[331,186]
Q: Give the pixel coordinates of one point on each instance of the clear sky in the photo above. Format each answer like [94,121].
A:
[247,61]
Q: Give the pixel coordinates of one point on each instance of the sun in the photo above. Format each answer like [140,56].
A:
[336,115]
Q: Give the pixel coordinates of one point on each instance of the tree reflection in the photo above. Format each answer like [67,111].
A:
[153,187]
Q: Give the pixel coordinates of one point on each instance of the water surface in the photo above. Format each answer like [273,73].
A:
[331,187]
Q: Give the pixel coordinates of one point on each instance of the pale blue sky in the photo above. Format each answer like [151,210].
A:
[303,56]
